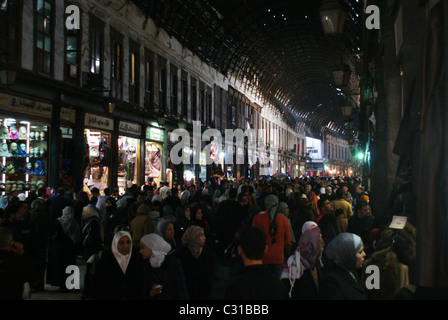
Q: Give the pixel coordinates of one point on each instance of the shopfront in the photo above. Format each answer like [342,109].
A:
[97,157]
[154,154]
[128,155]
[24,132]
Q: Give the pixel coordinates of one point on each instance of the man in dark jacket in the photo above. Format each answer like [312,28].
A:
[362,222]
[255,281]
[229,216]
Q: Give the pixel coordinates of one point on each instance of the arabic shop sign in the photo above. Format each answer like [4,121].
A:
[26,106]
[155,134]
[98,122]
[130,128]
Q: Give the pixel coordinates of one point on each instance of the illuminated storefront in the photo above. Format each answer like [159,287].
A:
[128,155]
[154,154]
[23,144]
[97,156]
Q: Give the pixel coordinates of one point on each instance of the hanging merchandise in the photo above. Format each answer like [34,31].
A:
[153,161]
[127,162]
[96,170]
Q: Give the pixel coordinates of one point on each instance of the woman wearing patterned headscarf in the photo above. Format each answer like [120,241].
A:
[197,263]
[302,274]
[163,274]
[344,257]
[119,272]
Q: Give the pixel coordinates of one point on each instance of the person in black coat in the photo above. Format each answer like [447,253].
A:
[343,258]
[64,237]
[92,243]
[15,268]
[229,216]
[197,263]
[255,281]
[119,272]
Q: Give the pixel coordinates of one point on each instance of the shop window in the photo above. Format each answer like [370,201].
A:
[23,154]
[153,162]
[97,159]
[128,150]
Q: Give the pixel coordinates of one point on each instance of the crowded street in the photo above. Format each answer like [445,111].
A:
[235,155]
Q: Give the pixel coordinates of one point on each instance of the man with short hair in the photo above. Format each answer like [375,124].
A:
[255,281]
[342,209]
[101,201]
[229,215]
[326,220]
[362,222]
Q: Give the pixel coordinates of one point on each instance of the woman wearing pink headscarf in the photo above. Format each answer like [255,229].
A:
[302,274]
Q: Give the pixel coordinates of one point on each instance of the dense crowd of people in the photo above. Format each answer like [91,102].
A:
[306,238]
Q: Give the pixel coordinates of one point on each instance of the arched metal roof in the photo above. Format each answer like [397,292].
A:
[278,46]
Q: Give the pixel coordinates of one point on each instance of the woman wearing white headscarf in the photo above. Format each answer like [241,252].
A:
[164,277]
[119,272]
[344,257]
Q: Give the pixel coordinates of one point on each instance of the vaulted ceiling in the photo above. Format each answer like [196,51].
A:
[278,47]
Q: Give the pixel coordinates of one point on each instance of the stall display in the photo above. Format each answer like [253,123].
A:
[127,162]
[97,159]
[153,161]
[23,159]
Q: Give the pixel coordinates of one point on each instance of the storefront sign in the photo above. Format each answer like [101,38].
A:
[68,115]
[99,122]
[130,128]
[155,134]
[25,106]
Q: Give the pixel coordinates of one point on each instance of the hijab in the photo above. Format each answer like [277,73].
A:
[190,239]
[161,229]
[69,224]
[342,251]
[306,255]
[159,248]
[307,225]
[282,208]
[123,260]
[271,202]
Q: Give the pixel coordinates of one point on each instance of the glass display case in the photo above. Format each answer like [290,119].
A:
[23,154]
